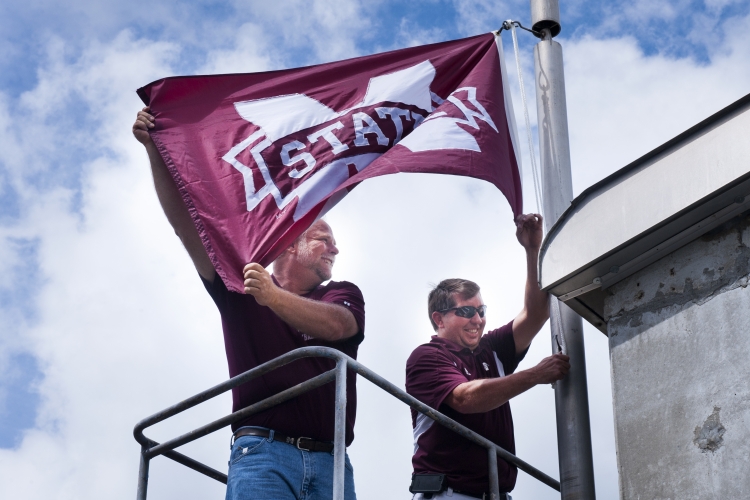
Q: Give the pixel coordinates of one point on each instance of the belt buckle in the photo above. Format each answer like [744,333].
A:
[299,440]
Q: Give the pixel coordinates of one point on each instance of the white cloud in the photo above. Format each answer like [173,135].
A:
[108,355]
[622,104]
[643,10]
[483,16]
[317,30]
[410,34]
[249,54]
[716,5]
[123,327]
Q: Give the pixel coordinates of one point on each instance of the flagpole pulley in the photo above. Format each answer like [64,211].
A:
[545,16]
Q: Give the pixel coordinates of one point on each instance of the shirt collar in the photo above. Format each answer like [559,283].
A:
[276,282]
[457,348]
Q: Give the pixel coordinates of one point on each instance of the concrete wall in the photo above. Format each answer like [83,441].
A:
[680,354]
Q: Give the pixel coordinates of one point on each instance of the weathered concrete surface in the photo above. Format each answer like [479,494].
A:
[680,356]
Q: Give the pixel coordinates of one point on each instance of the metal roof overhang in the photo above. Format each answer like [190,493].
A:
[648,209]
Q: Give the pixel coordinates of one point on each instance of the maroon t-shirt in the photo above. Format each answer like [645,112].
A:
[432,372]
[254,334]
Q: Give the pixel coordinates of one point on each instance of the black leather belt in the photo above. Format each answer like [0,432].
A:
[483,496]
[302,443]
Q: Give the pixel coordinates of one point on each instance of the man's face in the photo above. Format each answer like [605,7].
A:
[463,331]
[316,251]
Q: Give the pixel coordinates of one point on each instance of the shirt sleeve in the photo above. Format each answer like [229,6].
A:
[349,295]
[217,290]
[504,345]
[431,375]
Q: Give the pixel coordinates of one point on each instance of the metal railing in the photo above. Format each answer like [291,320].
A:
[151,449]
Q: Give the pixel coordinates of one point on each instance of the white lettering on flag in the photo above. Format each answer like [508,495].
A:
[439,131]
[289,161]
[372,127]
[279,117]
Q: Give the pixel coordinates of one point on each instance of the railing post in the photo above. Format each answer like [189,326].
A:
[143,475]
[494,483]
[339,438]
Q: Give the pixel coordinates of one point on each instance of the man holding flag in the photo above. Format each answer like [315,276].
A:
[245,165]
[469,376]
[277,314]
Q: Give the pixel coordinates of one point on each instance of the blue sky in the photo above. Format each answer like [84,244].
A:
[689,29]
[86,253]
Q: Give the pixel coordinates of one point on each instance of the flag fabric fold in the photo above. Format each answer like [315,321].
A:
[258,157]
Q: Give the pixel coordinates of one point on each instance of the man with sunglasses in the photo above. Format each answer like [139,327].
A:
[469,376]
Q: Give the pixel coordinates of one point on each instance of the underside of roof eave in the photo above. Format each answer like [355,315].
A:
[589,283]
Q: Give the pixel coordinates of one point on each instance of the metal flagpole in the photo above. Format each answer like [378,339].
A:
[571,393]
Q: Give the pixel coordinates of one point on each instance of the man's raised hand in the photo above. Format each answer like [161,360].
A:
[552,368]
[529,231]
[143,122]
[259,284]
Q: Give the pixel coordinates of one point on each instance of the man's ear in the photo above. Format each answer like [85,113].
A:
[290,250]
[437,318]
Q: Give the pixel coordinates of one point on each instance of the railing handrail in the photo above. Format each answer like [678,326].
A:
[151,449]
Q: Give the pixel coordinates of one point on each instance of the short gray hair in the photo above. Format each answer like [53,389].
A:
[442,296]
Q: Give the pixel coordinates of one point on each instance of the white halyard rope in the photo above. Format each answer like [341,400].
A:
[532,155]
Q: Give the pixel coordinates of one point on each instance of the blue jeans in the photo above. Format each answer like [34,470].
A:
[265,469]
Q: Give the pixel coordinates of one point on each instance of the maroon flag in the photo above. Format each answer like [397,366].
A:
[258,157]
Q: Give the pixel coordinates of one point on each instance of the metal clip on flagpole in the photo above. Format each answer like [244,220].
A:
[510,23]
[571,393]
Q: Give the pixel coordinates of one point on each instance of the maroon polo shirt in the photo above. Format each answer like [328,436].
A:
[254,334]
[432,372]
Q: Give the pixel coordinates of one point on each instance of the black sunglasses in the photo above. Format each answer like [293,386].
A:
[467,311]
